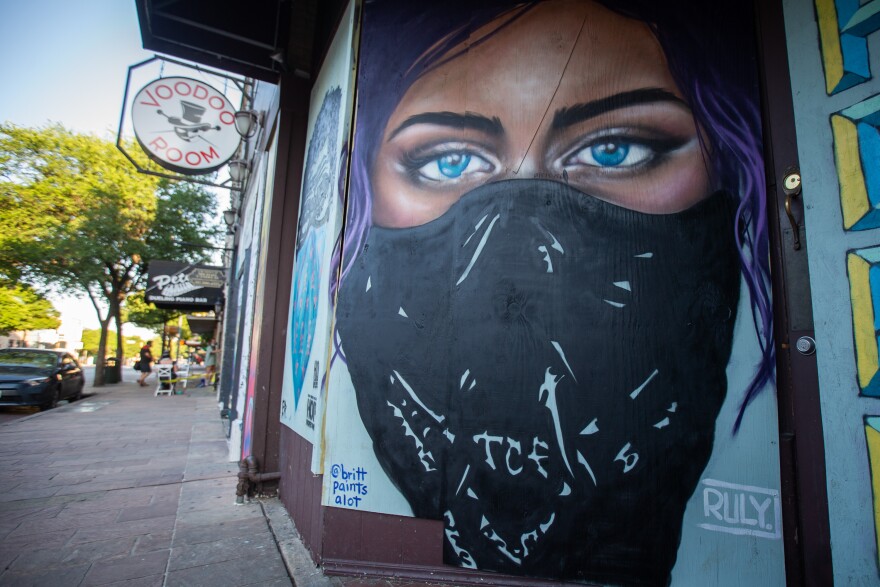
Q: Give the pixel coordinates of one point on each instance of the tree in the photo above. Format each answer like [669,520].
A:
[91,338]
[75,215]
[141,313]
[22,308]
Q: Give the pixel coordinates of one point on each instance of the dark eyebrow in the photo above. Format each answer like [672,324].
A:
[579,112]
[469,120]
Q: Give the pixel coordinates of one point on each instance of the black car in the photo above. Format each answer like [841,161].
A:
[38,377]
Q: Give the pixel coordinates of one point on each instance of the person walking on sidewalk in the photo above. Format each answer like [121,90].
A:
[145,362]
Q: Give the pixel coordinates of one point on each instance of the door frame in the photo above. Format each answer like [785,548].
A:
[806,532]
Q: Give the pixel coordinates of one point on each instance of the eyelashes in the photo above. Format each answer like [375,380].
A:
[612,151]
[454,165]
[620,152]
[447,163]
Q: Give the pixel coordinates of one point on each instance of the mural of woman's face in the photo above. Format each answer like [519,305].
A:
[540,362]
[544,96]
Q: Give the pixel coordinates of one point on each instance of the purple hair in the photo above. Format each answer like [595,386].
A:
[402,40]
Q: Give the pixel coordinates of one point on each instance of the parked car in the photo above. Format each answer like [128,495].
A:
[38,377]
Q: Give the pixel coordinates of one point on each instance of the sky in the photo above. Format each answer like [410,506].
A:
[66,61]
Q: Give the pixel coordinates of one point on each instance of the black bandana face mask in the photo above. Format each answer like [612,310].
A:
[542,370]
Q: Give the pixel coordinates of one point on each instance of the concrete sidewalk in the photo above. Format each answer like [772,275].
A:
[126,488]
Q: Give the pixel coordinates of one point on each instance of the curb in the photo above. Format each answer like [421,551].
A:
[300,567]
[63,408]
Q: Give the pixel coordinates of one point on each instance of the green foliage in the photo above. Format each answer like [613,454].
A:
[76,216]
[91,340]
[186,213]
[22,308]
[140,313]
[64,197]
[72,208]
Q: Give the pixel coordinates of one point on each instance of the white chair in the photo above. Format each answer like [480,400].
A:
[165,380]
[183,374]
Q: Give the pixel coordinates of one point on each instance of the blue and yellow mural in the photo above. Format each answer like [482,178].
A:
[863,266]
[844,26]
[837,115]
[856,153]
[872,439]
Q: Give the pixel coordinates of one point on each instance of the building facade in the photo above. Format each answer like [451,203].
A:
[529,293]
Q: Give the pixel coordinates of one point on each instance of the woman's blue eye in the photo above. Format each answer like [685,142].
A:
[609,154]
[453,165]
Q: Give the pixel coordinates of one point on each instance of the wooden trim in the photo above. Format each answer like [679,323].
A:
[802,453]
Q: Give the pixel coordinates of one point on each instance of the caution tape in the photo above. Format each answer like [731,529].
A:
[187,378]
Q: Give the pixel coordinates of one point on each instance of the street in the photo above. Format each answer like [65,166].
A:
[8,414]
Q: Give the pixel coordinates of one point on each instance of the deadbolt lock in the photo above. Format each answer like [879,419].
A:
[791,183]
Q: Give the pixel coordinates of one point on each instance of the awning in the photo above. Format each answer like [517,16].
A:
[202,324]
[248,38]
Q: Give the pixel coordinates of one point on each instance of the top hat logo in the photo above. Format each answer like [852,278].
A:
[189,124]
[192,112]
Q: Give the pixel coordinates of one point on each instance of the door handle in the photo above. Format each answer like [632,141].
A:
[791,187]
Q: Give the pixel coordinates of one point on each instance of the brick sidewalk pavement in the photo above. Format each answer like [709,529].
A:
[130,489]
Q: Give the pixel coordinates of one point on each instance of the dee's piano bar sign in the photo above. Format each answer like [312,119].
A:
[181,286]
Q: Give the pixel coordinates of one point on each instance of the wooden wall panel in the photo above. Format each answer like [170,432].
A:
[300,490]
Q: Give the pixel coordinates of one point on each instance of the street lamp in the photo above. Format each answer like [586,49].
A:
[237,169]
[229,217]
[246,123]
